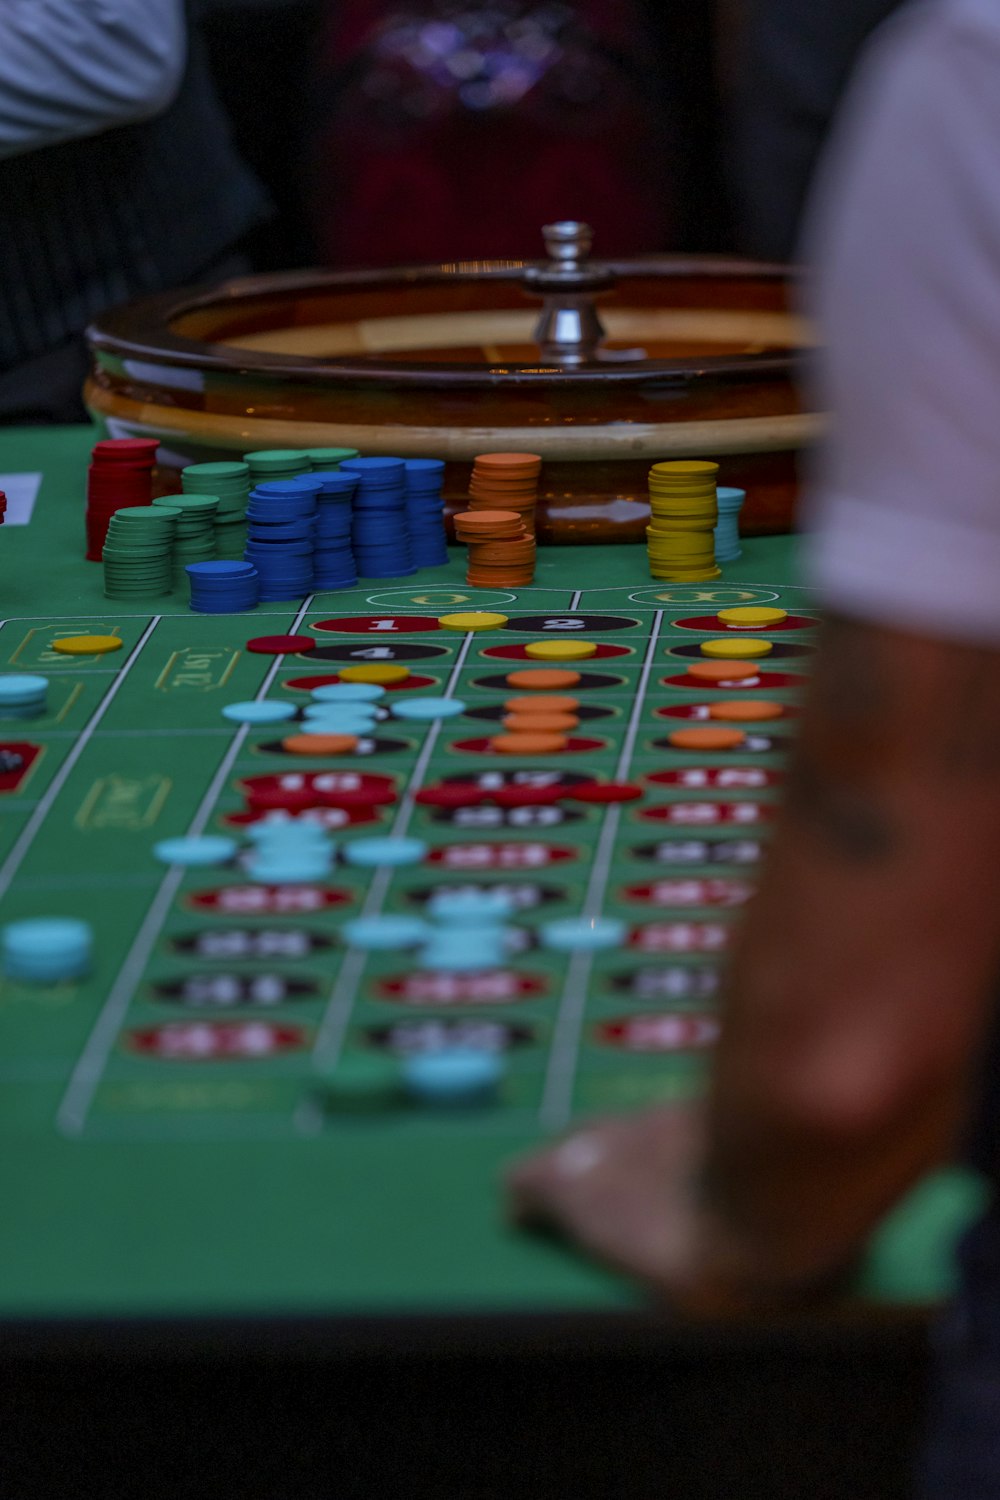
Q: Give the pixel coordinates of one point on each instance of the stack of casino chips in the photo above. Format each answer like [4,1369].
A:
[120,475]
[501,552]
[683,516]
[46,950]
[334,566]
[138,551]
[425,512]
[506,481]
[23,695]
[328,460]
[269,464]
[727,531]
[3,507]
[281,526]
[194,532]
[230,482]
[380,536]
[223,587]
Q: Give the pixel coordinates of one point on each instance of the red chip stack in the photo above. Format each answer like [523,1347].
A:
[3,507]
[120,474]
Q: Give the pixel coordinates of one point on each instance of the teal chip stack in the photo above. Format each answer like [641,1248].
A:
[46,950]
[727,532]
[138,552]
[22,695]
[230,483]
[328,460]
[194,537]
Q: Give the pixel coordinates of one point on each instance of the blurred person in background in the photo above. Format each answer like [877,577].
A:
[117,177]
[856,1051]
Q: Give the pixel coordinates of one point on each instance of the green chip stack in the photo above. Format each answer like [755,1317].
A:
[230,483]
[329,460]
[683,516]
[194,536]
[276,463]
[138,552]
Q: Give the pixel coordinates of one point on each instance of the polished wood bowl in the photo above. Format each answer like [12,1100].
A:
[700,360]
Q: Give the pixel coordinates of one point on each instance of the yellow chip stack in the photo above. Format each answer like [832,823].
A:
[684,512]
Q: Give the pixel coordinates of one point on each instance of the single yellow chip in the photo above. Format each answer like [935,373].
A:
[736,647]
[479,619]
[752,616]
[376,671]
[87,645]
[560,650]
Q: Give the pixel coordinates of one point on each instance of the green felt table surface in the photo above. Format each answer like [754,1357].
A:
[134,1185]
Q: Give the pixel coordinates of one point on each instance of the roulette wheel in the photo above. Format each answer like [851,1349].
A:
[599,368]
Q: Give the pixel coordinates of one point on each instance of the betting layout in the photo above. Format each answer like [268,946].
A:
[434,847]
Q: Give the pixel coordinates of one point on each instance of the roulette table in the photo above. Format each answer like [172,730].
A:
[171,1177]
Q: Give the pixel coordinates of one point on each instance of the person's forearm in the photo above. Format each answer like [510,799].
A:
[859,989]
[75,67]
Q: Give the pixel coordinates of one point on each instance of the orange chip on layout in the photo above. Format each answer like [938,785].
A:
[704,738]
[524,743]
[543,703]
[543,679]
[320,744]
[722,671]
[745,710]
[545,723]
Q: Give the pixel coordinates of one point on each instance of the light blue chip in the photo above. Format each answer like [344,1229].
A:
[384,934]
[290,870]
[45,937]
[428,708]
[348,692]
[283,828]
[454,1076]
[470,904]
[583,934]
[371,852]
[210,849]
[263,712]
[349,715]
[464,950]
[21,687]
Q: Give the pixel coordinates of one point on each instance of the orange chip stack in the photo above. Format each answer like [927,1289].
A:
[507,481]
[501,553]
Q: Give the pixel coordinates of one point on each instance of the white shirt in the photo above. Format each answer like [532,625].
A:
[906,238]
[76,67]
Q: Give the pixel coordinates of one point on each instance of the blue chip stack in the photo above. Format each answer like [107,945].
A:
[333,558]
[223,587]
[282,519]
[379,533]
[23,695]
[46,950]
[425,512]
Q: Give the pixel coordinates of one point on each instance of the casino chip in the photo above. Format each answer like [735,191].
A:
[87,645]
[543,679]
[736,648]
[263,712]
[745,710]
[208,849]
[320,744]
[721,671]
[705,738]
[279,645]
[384,934]
[583,934]
[454,1077]
[380,673]
[428,708]
[46,950]
[561,650]
[752,617]
[525,743]
[348,692]
[480,619]
[385,851]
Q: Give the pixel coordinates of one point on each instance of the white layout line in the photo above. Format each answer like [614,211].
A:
[574,603]
[71,1116]
[557,1098]
[336,1018]
[14,860]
